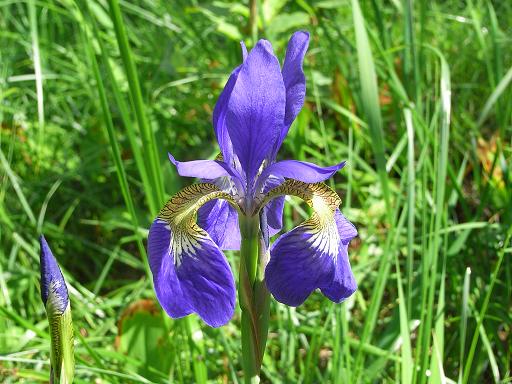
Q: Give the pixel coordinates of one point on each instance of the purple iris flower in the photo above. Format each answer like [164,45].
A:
[252,117]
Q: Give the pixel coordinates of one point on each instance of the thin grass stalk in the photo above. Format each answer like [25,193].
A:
[436,363]
[36,58]
[411,205]
[370,101]
[149,145]
[440,185]
[153,205]
[406,364]
[371,109]
[485,304]
[114,146]
[463,326]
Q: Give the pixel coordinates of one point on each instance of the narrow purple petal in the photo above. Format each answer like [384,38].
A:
[190,274]
[311,256]
[294,80]
[256,108]
[204,169]
[52,281]
[274,209]
[244,50]
[219,117]
[301,170]
[220,220]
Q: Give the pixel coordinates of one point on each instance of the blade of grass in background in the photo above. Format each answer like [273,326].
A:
[36,57]
[411,205]
[464,321]
[182,50]
[190,326]
[494,277]
[149,148]
[429,279]
[493,98]
[371,109]
[116,153]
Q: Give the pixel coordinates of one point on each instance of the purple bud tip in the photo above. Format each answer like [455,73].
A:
[52,281]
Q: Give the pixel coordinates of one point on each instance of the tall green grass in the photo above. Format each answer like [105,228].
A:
[415,95]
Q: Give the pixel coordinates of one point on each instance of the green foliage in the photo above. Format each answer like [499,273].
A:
[417,97]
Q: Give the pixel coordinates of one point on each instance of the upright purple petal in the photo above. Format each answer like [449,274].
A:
[301,170]
[219,116]
[52,281]
[294,80]
[220,220]
[190,274]
[256,108]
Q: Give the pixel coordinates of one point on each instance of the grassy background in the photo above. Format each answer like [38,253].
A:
[414,94]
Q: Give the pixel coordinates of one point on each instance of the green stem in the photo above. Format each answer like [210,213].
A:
[253,297]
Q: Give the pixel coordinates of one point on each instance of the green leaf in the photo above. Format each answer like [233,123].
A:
[143,336]
[62,347]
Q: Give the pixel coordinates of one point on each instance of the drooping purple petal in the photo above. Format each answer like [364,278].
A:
[167,286]
[220,220]
[312,255]
[52,281]
[256,108]
[343,284]
[294,80]
[301,170]
[299,263]
[190,274]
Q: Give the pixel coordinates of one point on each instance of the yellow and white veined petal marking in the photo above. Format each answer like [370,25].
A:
[190,272]
[179,213]
[61,335]
[313,254]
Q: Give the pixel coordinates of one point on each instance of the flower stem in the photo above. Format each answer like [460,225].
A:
[253,298]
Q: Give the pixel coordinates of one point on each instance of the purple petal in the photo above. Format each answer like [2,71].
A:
[190,274]
[301,170]
[219,117]
[256,108]
[297,266]
[220,220]
[52,281]
[244,50]
[204,169]
[274,209]
[343,284]
[294,79]
[311,256]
